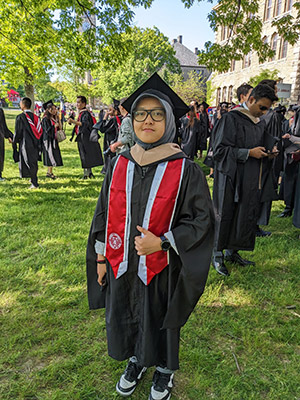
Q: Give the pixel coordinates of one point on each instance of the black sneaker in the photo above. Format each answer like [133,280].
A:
[130,378]
[161,386]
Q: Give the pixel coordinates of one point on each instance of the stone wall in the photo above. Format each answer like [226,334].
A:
[288,67]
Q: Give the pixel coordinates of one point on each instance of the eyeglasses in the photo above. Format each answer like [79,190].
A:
[157,114]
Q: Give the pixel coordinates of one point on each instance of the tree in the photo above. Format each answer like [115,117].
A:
[190,89]
[245,27]
[264,74]
[148,51]
[35,36]
[44,89]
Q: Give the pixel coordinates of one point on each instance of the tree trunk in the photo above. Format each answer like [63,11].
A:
[29,89]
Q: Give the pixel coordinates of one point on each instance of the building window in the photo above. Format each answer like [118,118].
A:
[232,66]
[247,60]
[230,94]
[283,48]
[268,9]
[224,93]
[274,41]
[288,5]
[218,96]
[224,32]
[277,9]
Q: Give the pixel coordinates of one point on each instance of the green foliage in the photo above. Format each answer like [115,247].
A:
[45,90]
[264,74]
[53,348]
[190,89]
[148,51]
[245,32]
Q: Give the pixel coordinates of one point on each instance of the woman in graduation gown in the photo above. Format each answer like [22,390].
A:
[190,131]
[152,235]
[51,152]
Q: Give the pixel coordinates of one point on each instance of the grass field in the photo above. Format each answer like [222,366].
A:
[242,342]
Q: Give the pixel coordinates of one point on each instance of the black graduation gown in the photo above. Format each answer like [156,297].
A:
[236,193]
[289,178]
[50,146]
[189,137]
[204,131]
[4,133]
[29,146]
[111,131]
[296,216]
[90,152]
[145,320]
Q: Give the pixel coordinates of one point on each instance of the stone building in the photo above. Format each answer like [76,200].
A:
[188,60]
[286,59]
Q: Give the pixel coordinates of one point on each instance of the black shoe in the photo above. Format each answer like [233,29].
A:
[130,378]
[91,175]
[220,267]
[161,386]
[237,259]
[285,213]
[261,233]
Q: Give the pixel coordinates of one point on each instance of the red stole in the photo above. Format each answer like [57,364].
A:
[79,118]
[158,216]
[35,125]
[118,121]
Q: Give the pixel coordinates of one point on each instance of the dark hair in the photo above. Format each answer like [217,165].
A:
[264,91]
[47,111]
[269,82]
[27,102]
[82,99]
[193,115]
[243,89]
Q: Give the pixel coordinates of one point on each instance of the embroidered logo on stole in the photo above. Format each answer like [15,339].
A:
[158,216]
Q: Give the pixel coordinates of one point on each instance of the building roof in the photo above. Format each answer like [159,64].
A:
[184,55]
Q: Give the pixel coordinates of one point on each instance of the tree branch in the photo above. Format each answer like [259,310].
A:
[86,14]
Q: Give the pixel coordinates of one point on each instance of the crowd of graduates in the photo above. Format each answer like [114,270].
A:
[155,230]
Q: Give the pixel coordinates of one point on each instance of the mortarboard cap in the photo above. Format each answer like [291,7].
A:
[224,104]
[204,104]
[45,105]
[156,84]
[116,104]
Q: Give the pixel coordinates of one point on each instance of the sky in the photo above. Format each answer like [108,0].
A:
[172,19]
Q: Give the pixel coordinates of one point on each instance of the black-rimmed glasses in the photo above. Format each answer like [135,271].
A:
[157,114]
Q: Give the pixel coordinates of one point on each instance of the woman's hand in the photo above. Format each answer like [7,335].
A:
[101,269]
[147,244]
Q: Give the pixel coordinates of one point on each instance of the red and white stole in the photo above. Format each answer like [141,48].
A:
[35,125]
[79,118]
[158,216]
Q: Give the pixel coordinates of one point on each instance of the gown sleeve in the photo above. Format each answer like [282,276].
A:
[193,232]
[96,293]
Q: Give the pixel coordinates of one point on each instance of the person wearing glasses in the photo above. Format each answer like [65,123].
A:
[149,251]
[241,144]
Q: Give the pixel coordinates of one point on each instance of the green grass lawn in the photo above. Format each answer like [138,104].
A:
[242,342]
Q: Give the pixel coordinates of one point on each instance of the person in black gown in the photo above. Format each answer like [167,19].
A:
[89,151]
[149,251]
[51,151]
[241,143]
[4,133]
[190,131]
[28,131]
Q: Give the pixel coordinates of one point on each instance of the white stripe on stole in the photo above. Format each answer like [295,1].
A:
[129,183]
[159,173]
